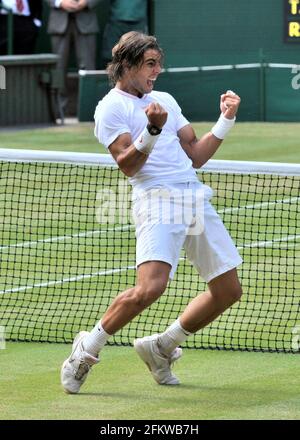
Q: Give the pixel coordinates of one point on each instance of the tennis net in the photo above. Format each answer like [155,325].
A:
[68,248]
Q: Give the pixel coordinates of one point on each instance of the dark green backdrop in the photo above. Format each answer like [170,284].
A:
[208,32]
[267,93]
[212,32]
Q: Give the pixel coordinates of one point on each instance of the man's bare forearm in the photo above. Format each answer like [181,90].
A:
[130,161]
[204,149]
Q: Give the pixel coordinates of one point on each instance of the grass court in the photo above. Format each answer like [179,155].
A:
[60,270]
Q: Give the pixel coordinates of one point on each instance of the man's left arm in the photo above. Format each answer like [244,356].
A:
[201,150]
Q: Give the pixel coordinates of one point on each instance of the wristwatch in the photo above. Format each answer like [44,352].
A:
[153,130]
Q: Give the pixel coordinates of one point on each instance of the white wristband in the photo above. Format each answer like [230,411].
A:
[145,142]
[222,127]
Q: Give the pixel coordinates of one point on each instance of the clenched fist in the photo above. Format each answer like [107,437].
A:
[229,104]
[156,114]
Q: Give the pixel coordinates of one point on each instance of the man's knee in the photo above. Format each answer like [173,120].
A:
[226,288]
[228,294]
[234,294]
[144,294]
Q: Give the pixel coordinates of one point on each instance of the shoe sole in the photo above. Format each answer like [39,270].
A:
[77,340]
[138,345]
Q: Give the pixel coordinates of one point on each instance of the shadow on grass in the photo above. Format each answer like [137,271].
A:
[223,396]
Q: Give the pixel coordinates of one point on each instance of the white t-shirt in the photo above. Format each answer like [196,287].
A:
[119,112]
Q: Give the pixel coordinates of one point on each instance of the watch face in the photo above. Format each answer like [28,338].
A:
[154,130]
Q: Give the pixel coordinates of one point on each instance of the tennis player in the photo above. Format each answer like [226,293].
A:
[156,147]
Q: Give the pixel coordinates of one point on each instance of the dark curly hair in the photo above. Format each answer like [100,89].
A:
[129,52]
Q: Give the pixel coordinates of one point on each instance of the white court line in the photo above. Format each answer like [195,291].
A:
[269,242]
[124,269]
[127,227]
[66,280]
[65,237]
[260,205]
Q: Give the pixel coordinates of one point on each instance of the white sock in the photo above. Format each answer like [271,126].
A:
[172,337]
[96,340]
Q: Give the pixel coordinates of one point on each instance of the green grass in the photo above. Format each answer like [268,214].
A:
[215,385]
[59,202]
[266,142]
[269,142]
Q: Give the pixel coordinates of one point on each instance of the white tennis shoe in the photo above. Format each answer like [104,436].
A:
[158,364]
[76,368]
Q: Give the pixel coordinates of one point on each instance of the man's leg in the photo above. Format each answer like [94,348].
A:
[61,44]
[152,279]
[61,47]
[223,292]
[85,47]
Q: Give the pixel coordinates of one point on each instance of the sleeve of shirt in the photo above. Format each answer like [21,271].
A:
[109,123]
[181,120]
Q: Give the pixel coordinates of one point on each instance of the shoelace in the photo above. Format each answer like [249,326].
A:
[169,358]
[171,361]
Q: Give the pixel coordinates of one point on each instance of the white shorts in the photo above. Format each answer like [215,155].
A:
[211,251]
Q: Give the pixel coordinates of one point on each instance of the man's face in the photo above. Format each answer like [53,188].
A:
[140,80]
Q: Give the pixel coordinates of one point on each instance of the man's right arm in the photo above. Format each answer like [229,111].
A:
[129,159]
[131,155]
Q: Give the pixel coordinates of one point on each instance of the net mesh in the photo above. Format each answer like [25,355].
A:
[62,264]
